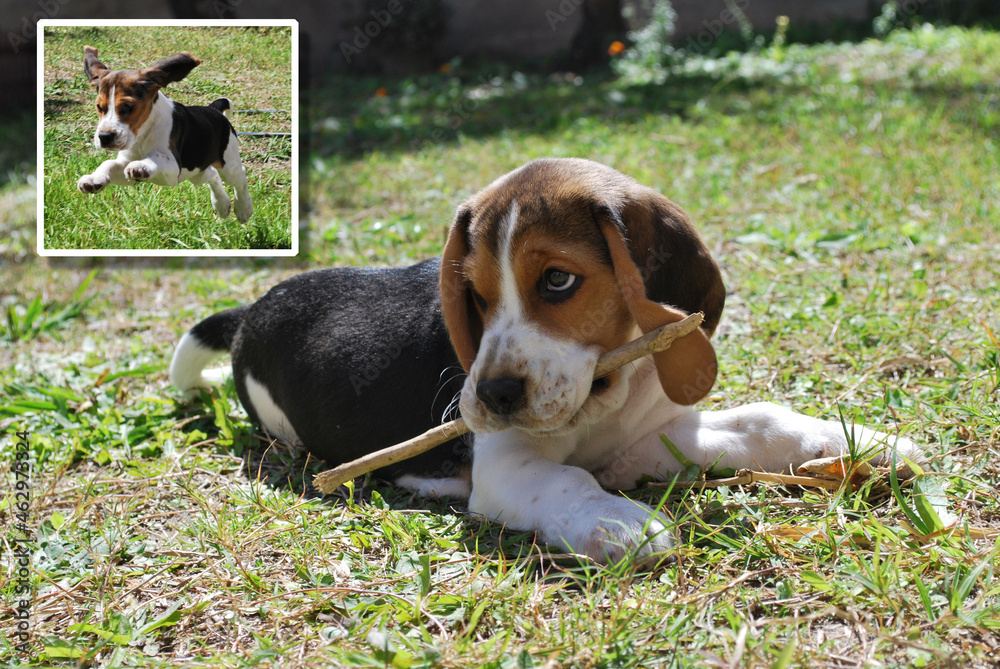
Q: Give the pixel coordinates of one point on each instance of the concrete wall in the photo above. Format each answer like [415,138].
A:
[511,29]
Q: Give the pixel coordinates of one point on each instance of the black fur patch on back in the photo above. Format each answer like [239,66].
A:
[200,136]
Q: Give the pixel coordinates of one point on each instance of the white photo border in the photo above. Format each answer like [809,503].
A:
[174,253]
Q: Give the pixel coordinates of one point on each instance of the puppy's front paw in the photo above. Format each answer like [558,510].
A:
[863,443]
[138,171]
[244,209]
[221,205]
[611,528]
[91,183]
[905,449]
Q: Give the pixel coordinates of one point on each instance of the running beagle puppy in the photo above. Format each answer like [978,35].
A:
[544,270]
[160,140]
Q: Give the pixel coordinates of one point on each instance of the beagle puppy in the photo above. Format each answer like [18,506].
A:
[543,271]
[160,140]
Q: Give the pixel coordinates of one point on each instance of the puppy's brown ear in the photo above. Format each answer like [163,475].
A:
[93,68]
[688,368]
[674,262]
[460,315]
[174,68]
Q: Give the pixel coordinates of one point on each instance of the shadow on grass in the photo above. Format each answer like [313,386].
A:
[436,109]
[57,106]
[285,467]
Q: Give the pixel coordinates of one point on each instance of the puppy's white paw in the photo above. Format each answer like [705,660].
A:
[138,171]
[244,209]
[876,447]
[609,528]
[880,447]
[91,183]
[221,205]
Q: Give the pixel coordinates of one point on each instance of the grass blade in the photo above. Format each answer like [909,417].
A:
[931,504]
[897,492]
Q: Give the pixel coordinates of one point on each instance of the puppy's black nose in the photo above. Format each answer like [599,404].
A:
[106,138]
[502,396]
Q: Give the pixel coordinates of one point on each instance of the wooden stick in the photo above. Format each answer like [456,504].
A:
[651,342]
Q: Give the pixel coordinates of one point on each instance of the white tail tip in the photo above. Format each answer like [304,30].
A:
[190,359]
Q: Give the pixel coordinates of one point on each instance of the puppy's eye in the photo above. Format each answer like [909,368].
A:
[558,280]
[101,109]
[557,285]
[480,300]
[125,109]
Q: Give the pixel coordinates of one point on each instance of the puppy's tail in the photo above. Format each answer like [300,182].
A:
[204,343]
[224,105]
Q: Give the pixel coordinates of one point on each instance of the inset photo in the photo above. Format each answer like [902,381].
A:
[174,139]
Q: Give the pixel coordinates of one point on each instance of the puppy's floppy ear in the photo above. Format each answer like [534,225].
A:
[460,315]
[174,68]
[93,68]
[675,264]
[688,368]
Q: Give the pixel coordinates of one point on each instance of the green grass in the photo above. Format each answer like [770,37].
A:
[251,66]
[850,195]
